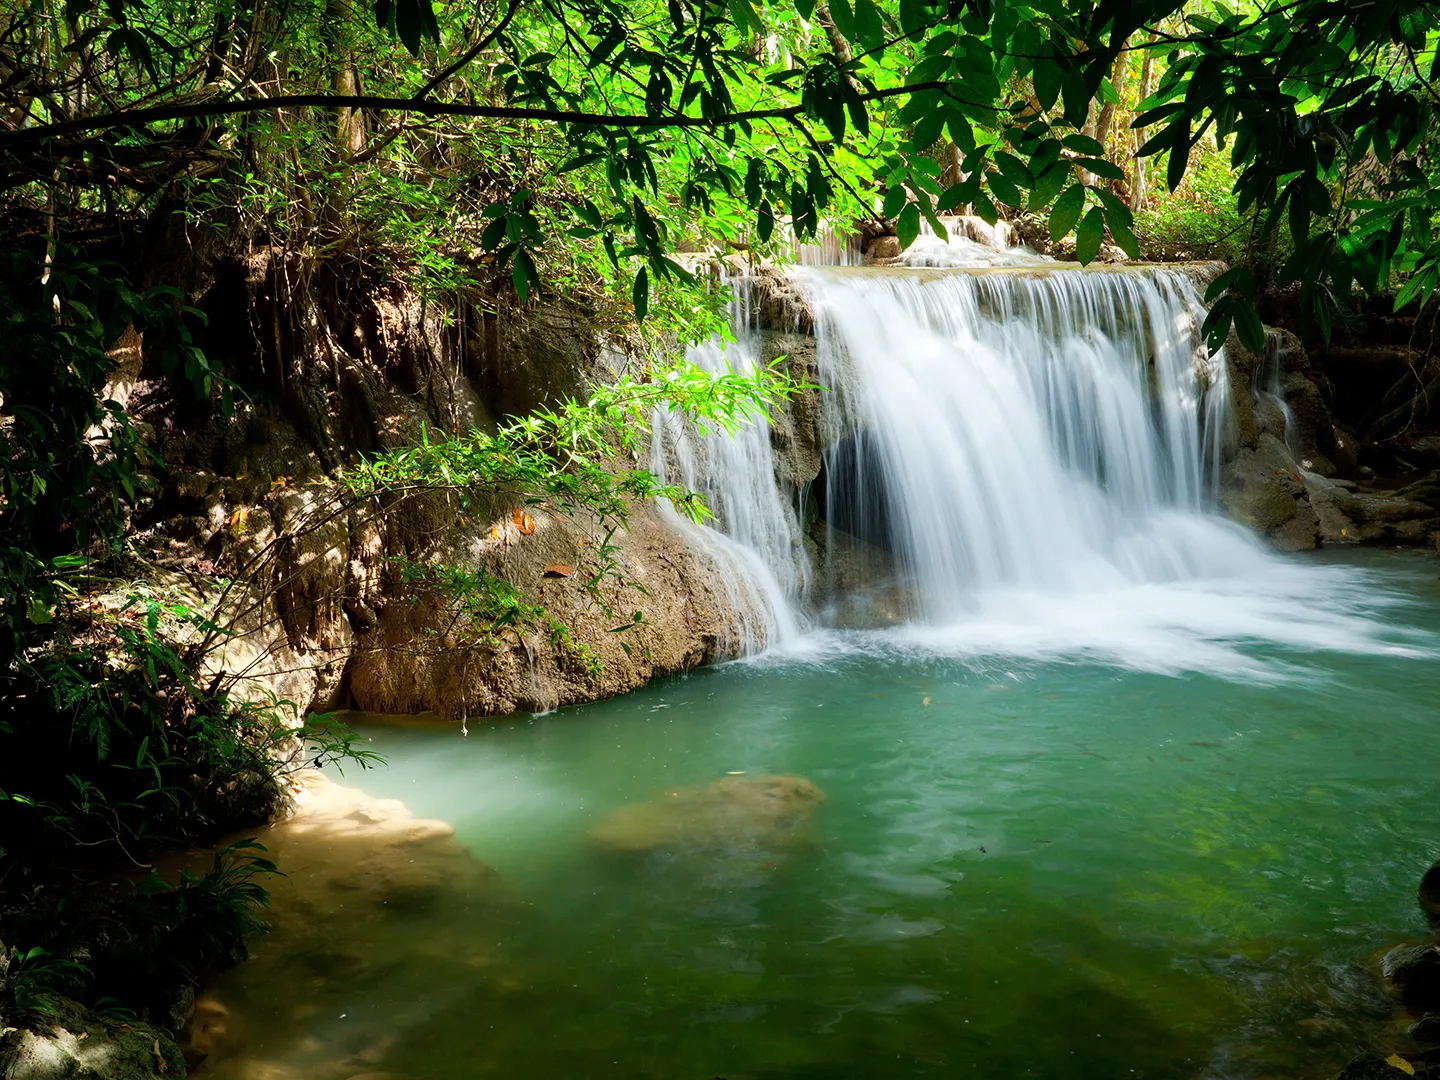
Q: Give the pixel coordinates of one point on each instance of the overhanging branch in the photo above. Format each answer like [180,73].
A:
[16,139]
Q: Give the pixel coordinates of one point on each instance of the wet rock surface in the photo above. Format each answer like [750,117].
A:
[1284,454]
[1371,1067]
[71,1043]
[1429,893]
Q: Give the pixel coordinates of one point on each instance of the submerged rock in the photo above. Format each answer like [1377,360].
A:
[734,812]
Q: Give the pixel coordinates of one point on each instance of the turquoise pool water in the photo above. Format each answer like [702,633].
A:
[1045,866]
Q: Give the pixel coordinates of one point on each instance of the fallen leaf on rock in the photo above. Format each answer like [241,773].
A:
[1400,1063]
[278,482]
[523,521]
[558,569]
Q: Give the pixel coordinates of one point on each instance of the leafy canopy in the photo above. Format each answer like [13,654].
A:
[739,118]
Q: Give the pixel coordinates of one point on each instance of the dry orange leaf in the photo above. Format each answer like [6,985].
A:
[523,521]
[278,482]
[558,569]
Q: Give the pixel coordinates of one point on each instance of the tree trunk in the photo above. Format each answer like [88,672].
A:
[344,79]
[1105,124]
[1147,69]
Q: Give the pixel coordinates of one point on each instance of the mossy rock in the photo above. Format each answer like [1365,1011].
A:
[71,1043]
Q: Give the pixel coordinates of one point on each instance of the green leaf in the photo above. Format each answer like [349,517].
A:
[1049,184]
[1046,78]
[1248,327]
[927,130]
[764,220]
[1101,167]
[907,225]
[1067,211]
[1124,238]
[1089,236]
[414,20]
[806,8]
[1007,192]
[523,273]
[641,294]
[1216,327]
[841,16]
[1419,287]
[985,209]
[1084,144]
[868,25]
[1014,170]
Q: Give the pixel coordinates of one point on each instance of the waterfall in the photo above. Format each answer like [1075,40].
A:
[1008,430]
[1015,460]
[756,540]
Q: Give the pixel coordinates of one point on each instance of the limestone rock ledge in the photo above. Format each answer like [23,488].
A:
[1282,474]
[244,509]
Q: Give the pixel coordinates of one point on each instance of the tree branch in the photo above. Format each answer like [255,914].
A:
[471,53]
[14,139]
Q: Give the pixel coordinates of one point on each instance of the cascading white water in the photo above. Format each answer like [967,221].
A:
[756,538]
[1265,384]
[1029,454]
[1039,431]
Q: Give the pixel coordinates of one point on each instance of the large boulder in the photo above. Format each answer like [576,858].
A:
[769,813]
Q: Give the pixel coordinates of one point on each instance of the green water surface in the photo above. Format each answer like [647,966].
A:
[1043,868]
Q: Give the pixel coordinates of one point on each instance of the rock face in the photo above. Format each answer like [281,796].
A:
[747,813]
[71,1043]
[1371,1067]
[1281,472]
[322,615]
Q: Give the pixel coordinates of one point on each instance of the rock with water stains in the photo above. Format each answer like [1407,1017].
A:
[735,812]
[1426,1031]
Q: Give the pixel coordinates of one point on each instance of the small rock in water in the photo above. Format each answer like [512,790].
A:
[1415,969]
[1430,892]
[1371,1067]
[1426,1031]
